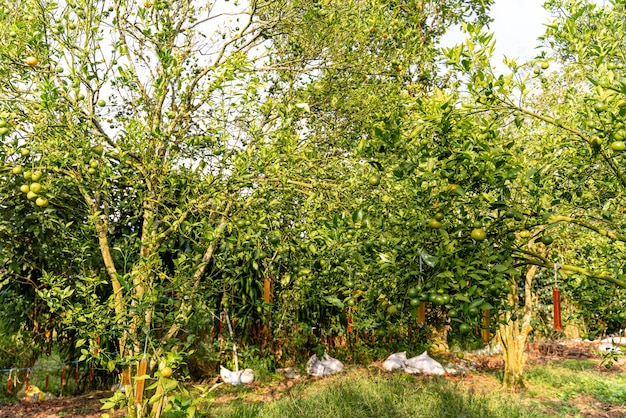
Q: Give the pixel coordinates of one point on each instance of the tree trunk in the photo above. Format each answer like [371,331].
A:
[513,334]
[513,339]
[439,339]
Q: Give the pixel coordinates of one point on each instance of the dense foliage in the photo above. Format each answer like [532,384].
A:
[173,171]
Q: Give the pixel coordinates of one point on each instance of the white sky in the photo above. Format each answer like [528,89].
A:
[516,26]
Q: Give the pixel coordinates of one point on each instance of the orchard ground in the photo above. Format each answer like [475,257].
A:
[568,380]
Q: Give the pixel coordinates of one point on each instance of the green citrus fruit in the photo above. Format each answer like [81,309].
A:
[166,371]
[35,187]
[620,135]
[434,224]
[440,300]
[274,239]
[595,141]
[478,234]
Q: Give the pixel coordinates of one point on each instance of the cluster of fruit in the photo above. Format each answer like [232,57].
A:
[477,234]
[34,190]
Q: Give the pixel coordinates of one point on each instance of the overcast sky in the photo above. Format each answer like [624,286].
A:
[516,25]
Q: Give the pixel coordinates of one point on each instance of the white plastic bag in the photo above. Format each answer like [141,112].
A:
[242,377]
[332,365]
[314,366]
[423,364]
[290,373]
[325,367]
[395,361]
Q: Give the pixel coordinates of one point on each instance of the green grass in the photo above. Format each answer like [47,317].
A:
[561,388]
[568,379]
[397,395]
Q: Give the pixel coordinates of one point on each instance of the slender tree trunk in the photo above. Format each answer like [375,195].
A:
[513,334]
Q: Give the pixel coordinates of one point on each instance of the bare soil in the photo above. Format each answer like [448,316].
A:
[84,406]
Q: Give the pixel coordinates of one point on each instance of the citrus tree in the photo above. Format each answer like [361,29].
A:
[159,144]
[141,123]
[567,125]
[371,89]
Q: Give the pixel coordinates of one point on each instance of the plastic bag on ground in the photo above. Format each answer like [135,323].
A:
[314,366]
[609,347]
[332,364]
[34,395]
[614,340]
[463,367]
[395,361]
[242,377]
[289,373]
[423,364]
[325,367]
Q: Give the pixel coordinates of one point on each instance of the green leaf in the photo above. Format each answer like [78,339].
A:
[333,300]
[155,398]
[461,297]
[476,303]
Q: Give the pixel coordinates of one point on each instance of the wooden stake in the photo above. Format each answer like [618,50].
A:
[349,322]
[139,385]
[126,376]
[486,322]
[267,289]
[556,302]
[421,314]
